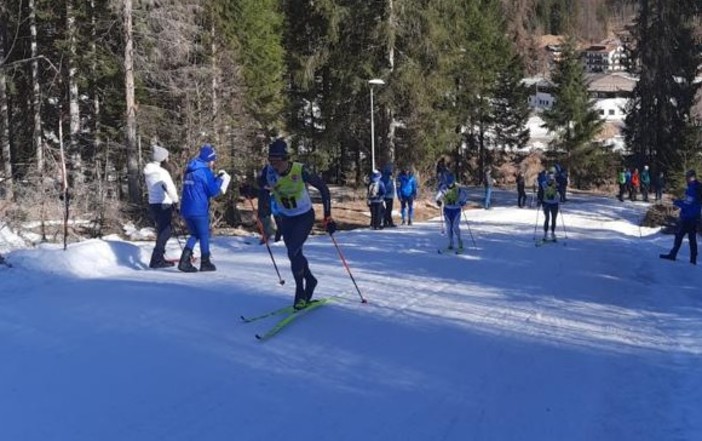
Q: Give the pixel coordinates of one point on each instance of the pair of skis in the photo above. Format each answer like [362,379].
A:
[457,251]
[290,315]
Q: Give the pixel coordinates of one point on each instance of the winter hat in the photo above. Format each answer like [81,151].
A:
[690,174]
[450,180]
[375,174]
[158,153]
[207,153]
[278,149]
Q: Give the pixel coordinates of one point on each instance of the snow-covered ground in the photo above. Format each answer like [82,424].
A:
[593,338]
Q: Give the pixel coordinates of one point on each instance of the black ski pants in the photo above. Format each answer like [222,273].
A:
[550,214]
[686,227]
[162,215]
[296,230]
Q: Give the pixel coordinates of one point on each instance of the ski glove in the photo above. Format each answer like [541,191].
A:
[329,225]
[439,203]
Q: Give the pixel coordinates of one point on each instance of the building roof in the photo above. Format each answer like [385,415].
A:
[612,82]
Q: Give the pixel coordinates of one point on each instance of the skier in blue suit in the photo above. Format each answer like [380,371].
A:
[389,183]
[454,198]
[690,208]
[407,191]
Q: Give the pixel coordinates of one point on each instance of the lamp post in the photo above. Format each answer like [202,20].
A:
[373,82]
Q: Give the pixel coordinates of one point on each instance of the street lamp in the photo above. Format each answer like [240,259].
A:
[373,82]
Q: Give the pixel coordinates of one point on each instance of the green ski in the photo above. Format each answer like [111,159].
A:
[285,321]
[286,310]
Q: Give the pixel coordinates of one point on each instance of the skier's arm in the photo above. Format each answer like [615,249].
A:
[317,182]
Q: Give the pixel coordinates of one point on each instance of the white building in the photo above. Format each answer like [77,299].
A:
[606,57]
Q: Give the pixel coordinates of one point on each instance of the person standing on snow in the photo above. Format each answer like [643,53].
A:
[199,185]
[163,198]
[521,190]
[406,191]
[454,198]
[489,182]
[660,186]
[690,208]
[287,181]
[645,183]
[389,183]
[635,184]
[541,179]
[376,195]
[621,180]
[550,206]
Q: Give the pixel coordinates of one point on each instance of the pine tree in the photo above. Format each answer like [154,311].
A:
[511,107]
[659,127]
[573,118]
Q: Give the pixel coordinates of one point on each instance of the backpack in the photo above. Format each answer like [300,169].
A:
[373,190]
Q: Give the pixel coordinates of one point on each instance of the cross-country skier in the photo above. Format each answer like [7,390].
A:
[690,208]
[287,181]
[453,198]
[550,205]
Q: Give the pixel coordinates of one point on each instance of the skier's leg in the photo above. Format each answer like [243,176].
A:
[295,232]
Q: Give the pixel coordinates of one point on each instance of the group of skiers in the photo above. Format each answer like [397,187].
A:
[382,190]
[282,190]
[282,187]
[632,182]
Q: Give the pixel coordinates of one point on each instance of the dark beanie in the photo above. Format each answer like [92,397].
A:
[278,149]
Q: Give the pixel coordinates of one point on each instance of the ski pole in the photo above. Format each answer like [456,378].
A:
[465,216]
[341,255]
[537,221]
[265,240]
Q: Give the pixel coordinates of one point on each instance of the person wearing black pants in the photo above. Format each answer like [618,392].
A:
[690,208]
[162,198]
[521,191]
[550,206]
[287,182]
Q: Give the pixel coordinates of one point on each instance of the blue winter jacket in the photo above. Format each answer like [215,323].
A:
[389,184]
[199,185]
[690,206]
[406,186]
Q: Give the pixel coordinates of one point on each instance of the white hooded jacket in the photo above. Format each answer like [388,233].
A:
[161,188]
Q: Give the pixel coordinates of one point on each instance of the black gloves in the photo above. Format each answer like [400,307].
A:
[329,225]
[439,203]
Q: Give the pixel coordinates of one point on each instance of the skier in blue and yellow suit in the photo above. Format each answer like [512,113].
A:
[287,181]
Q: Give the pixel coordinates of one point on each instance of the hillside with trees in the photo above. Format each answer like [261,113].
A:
[86,87]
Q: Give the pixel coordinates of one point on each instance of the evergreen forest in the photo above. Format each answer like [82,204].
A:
[88,86]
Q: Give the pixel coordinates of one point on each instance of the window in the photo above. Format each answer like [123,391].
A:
[611,111]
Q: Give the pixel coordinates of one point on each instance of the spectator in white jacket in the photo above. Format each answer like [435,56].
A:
[163,198]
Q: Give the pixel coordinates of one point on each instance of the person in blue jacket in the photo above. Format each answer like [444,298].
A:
[454,198]
[389,183]
[287,182]
[690,208]
[199,185]
[376,196]
[406,191]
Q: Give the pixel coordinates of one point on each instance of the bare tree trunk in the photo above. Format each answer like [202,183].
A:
[393,123]
[36,103]
[73,108]
[215,86]
[97,136]
[131,138]
[4,116]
